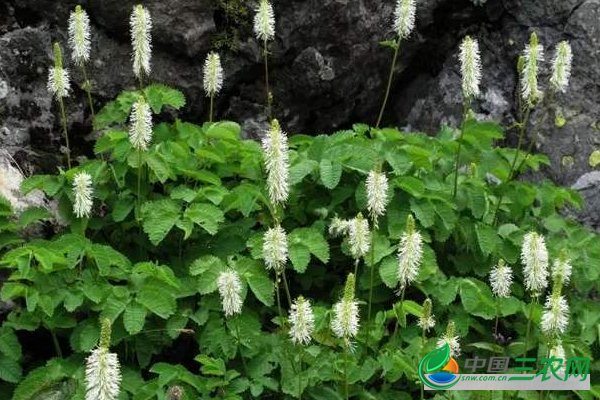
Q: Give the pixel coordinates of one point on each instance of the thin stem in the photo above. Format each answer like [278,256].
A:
[267,88]
[356,267]
[389,83]
[278,297]
[63,117]
[212,100]
[286,288]
[466,107]
[88,90]
[139,180]
[371,285]
[397,316]
[237,332]
[528,329]
[423,341]
[300,372]
[346,372]
[56,344]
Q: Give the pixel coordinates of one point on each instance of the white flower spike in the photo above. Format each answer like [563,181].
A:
[302,321]
[470,67]
[532,56]
[410,254]
[275,249]
[451,340]
[555,318]
[345,321]
[534,257]
[558,352]
[103,372]
[58,77]
[501,278]
[264,21]
[427,319]
[140,125]
[275,147]
[230,288]
[377,196]
[79,36]
[561,67]
[404,17]
[338,227]
[140,24]
[83,191]
[213,74]
[359,237]
[561,270]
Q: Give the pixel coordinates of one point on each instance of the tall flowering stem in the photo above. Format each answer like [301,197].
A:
[59,86]
[140,24]
[213,79]
[264,29]
[470,66]
[140,134]
[426,322]
[404,23]
[500,279]
[302,325]
[80,44]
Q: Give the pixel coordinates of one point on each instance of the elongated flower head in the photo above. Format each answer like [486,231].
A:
[451,340]
[532,56]
[558,352]
[103,372]
[275,148]
[140,24]
[501,277]
[556,314]
[338,227]
[275,248]
[83,191]
[140,125]
[470,67]
[213,74]
[79,36]
[410,254]
[359,236]
[561,67]
[427,319]
[264,21]
[345,321]
[561,271]
[534,257]
[230,289]
[302,321]
[58,77]
[377,196]
[404,17]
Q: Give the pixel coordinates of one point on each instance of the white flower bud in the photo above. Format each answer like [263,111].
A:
[410,254]
[561,67]
[533,55]
[302,321]
[404,17]
[534,257]
[470,67]
[79,36]
[556,315]
[275,248]
[377,197]
[230,289]
[141,40]
[501,278]
[140,125]
[213,74]
[83,191]
[264,21]
[275,147]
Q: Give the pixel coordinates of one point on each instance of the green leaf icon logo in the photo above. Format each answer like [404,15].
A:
[437,358]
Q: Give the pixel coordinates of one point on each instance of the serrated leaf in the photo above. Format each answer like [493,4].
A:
[85,336]
[10,370]
[477,298]
[300,170]
[209,268]
[159,217]
[388,271]
[331,173]
[159,95]
[122,208]
[206,215]
[158,299]
[262,287]
[134,318]
[487,238]
[9,343]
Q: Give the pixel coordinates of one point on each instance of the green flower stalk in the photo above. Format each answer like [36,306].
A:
[59,86]
[404,23]
[80,44]
[264,29]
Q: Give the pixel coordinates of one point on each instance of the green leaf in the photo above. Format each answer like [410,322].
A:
[10,370]
[9,344]
[159,217]
[122,208]
[209,268]
[411,185]
[211,366]
[477,298]
[158,165]
[262,287]
[159,95]
[388,271]
[300,170]
[206,215]
[106,257]
[32,215]
[134,318]
[158,299]
[49,184]
[331,173]
[85,336]
[306,241]
[487,238]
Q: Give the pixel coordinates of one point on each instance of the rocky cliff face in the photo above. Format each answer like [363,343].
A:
[328,69]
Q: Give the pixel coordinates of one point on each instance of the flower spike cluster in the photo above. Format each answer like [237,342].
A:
[532,56]
[140,125]
[58,77]
[213,74]
[79,36]
[345,321]
[470,67]
[556,314]
[451,339]
[534,257]
[83,191]
[377,196]
[275,148]
[501,278]
[359,237]
[561,67]
[264,21]
[140,24]
[427,319]
[302,321]
[275,249]
[410,254]
[103,372]
[404,17]
[230,289]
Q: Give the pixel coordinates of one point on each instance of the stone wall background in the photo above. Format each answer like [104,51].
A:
[328,70]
